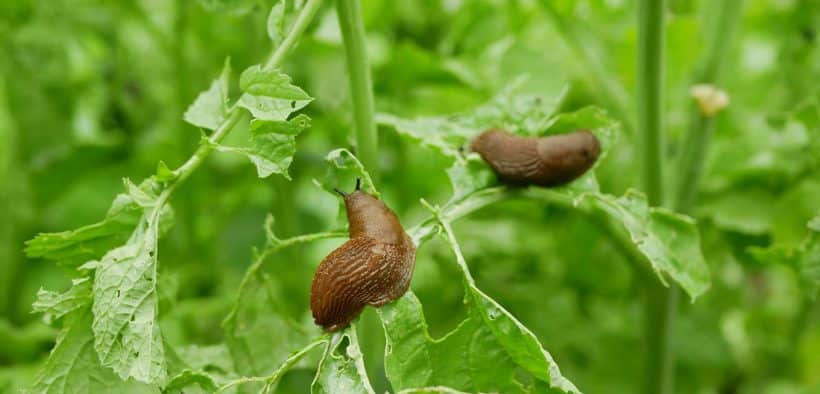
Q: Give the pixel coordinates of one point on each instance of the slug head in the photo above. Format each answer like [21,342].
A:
[569,155]
[369,216]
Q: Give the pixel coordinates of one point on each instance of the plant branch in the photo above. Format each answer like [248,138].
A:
[361,85]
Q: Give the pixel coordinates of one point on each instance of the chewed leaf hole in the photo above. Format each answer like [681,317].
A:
[493,314]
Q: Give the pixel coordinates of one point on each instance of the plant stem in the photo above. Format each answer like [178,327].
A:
[660,312]
[690,164]
[361,85]
[650,95]
[660,302]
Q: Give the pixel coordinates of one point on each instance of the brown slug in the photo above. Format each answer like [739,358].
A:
[373,268]
[542,161]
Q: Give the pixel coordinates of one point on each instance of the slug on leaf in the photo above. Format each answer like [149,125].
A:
[542,161]
[373,268]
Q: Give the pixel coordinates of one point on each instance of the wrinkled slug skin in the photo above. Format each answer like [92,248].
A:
[542,161]
[373,268]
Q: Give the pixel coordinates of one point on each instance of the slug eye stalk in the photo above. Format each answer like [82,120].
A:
[358,188]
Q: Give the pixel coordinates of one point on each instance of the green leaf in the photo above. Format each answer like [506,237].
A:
[270,83]
[470,358]
[272,109]
[526,115]
[54,305]
[272,145]
[745,210]
[126,328]
[269,94]
[342,171]
[519,342]
[764,156]
[489,325]
[210,108]
[276,23]
[523,114]
[207,367]
[258,312]
[341,370]
[470,175]
[214,358]
[804,258]
[670,241]
[73,366]
[90,242]
[260,309]
[814,224]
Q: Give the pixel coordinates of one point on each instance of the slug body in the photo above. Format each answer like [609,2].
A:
[373,268]
[542,161]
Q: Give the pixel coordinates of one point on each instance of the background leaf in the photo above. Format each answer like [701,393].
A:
[211,106]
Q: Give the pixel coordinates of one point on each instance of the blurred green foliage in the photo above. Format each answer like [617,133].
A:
[92,92]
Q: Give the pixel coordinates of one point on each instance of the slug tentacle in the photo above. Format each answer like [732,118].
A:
[546,161]
[373,268]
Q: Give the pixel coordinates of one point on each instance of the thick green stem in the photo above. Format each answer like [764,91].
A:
[361,85]
[660,312]
[650,95]
[661,302]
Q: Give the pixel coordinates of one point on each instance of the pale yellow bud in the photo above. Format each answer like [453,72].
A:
[709,98]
